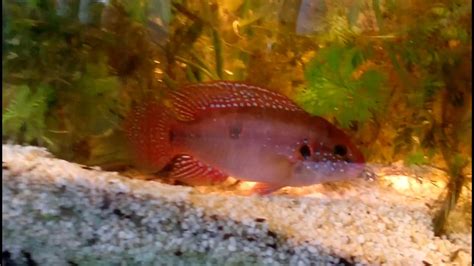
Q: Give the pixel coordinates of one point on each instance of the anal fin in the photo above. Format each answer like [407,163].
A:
[191,171]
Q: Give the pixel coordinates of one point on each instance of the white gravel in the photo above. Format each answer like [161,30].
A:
[59,212]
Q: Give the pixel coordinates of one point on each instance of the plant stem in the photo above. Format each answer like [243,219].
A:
[201,62]
[204,70]
[218,53]
[191,76]
[169,82]
[378,13]
[456,181]
[454,187]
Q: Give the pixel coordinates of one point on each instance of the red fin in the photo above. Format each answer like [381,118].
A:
[148,133]
[193,172]
[265,188]
[197,99]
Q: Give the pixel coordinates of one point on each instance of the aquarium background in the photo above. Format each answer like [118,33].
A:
[395,75]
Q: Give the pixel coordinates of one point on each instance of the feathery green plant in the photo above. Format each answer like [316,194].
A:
[334,89]
[60,88]
[26,114]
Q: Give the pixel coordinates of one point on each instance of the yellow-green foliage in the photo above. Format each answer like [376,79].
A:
[377,68]
[393,62]
[425,50]
[25,116]
[60,87]
[334,89]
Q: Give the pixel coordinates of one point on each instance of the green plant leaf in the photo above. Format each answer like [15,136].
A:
[25,115]
[333,90]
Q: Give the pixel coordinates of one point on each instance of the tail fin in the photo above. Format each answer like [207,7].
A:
[148,130]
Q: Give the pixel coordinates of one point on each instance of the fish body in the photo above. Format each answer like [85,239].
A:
[208,131]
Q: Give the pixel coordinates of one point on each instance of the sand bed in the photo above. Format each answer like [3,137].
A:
[59,213]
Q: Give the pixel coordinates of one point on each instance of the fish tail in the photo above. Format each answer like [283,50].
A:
[149,134]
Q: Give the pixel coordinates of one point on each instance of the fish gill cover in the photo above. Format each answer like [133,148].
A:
[396,76]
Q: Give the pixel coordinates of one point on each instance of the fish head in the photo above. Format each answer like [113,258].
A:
[327,154]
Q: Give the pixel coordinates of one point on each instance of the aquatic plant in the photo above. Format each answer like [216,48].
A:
[63,83]
[395,75]
[426,60]
[336,89]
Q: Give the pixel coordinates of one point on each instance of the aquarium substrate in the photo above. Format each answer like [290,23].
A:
[57,212]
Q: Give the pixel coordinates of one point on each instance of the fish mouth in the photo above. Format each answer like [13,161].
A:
[354,169]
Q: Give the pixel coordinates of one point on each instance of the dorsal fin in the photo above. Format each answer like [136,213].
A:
[193,100]
[191,171]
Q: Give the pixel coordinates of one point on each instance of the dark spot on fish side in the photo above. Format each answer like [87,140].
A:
[235,131]
[171,136]
[260,220]
[425,263]
[178,253]
[305,151]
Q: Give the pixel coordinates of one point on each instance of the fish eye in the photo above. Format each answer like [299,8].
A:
[340,150]
[305,151]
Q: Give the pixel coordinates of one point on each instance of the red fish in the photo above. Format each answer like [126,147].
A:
[205,132]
